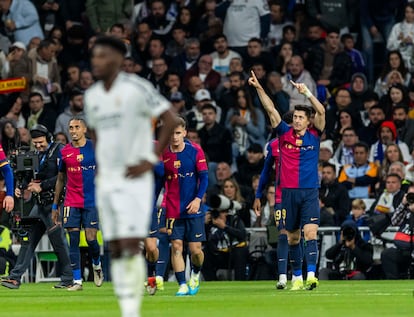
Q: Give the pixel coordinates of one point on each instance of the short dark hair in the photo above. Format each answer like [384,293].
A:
[78,118]
[257,40]
[394,175]
[288,117]
[349,129]
[117,25]
[220,36]
[209,106]
[307,110]
[400,106]
[288,28]
[46,43]
[112,42]
[238,74]
[376,107]
[346,36]
[35,94]
[75,92]
[327,164]
[363,145]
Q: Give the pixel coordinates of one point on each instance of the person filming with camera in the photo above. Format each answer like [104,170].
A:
[351,256]
[396,261]
[41,191]
[226,245]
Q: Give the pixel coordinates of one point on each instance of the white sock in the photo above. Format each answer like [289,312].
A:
[299,277]
[128,276]
[78,282]
[310,275]
[283,278]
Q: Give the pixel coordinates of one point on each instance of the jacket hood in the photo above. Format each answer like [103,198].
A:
[363,77]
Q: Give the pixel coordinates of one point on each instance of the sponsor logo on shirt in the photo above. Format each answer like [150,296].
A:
[180,175]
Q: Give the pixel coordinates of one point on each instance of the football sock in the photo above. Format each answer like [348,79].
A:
[151,268]
[74,254]
[180,276]
[311,255]
[164,254]
[282,254]
[95,251]
[296,259]
[128,276]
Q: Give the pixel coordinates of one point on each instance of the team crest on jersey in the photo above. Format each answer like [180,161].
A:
[299,142]
[79,157]
[177,164]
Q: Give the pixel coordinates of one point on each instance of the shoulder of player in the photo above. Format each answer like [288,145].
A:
[135,81]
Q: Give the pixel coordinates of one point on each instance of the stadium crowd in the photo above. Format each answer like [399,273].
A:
[356,56]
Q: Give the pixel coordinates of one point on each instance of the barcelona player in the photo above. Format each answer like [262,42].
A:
[8,202]
[186,176]
[273,159]
[299,155]
[78,166]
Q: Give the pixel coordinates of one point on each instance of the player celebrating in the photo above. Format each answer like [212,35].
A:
[299,155]
[273,159]
[8,202]
[119,109]
[77,164]
[186,175]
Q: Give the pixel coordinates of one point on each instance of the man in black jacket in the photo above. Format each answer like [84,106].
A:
[42,191]
[226,245]
[352,256]
[328,64]
[336,198]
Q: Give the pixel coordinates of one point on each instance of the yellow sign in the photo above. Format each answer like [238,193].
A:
[10,85]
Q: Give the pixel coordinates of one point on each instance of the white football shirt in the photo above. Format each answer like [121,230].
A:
[122,120]
[242,21]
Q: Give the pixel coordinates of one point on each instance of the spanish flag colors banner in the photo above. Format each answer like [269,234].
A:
[10,85]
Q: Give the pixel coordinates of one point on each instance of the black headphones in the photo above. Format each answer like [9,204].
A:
[41,129]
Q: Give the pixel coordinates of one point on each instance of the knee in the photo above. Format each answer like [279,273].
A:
[90,234]
[196,249]
[310,232]
[151,247]
[177,246]
[293,238]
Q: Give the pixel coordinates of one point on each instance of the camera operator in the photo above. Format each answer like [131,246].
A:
[226,245]
[396,261]
[352,256]
[42,192]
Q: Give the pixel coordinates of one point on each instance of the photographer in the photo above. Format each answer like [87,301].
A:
[42,192]
[226,245]
[352,256]
[396,261]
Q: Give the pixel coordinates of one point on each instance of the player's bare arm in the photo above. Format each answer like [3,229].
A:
[169,122]
[267,103]
[319,121]
[60,182]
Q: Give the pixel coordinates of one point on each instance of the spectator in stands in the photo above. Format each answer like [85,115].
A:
[404,125]
[158,74]
[102,15]
[387,134]
[329,65]
[359,92]
[388,75]
[326,155]
[229,96]
[246,122]
[72,11]
[283,58]
[222,55]
[176,45]
[17,63]
[359,216]
[278,21]
[267,211]
[255,54]
[377,18]
[210,78]
[157,20]
[44,71]
[342,102]
[85,80]
[297,73]
[243,21]
[39,114]
[369,134]
[75,109]
[396,260]
[336,198]
[223,172]
[392,154]
[369,100]
[402,37]
[21,20]
[184,61]
[194,116]
[61,138]
[275,90]
[177,102]
[231,190]
[194,85]
[313,37]
[346,119]
[25,138]
[172,84]
[250,164]
[10,138]
[360,176]
[139,45]
[397,95]
[15,113]
[351,256]
[49,14]
[358,63]
[344,153]
[392,196]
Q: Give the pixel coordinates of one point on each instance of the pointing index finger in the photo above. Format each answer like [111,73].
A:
[293,83]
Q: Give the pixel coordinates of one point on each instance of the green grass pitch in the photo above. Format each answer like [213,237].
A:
[228,299]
